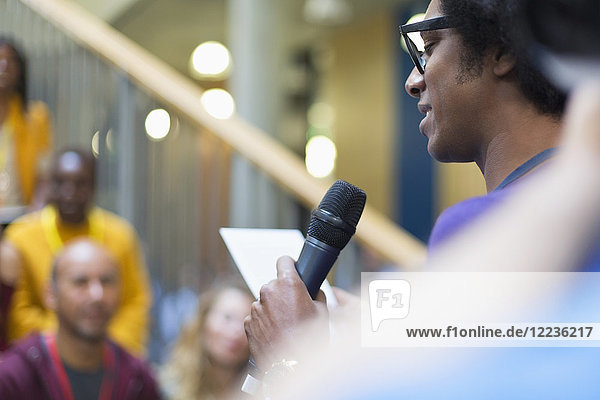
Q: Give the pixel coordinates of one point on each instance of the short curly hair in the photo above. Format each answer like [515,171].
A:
[487,24]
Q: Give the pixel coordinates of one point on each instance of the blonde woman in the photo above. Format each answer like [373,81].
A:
[211,352]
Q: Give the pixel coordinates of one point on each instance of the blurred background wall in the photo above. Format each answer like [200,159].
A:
[340,54]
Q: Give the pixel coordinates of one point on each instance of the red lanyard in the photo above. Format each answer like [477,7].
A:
[108,366]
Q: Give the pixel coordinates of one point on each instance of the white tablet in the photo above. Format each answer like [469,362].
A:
[255,253]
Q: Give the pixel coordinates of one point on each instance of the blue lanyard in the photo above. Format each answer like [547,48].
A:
[526,167]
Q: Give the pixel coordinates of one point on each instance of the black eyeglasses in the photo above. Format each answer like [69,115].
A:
[431,24]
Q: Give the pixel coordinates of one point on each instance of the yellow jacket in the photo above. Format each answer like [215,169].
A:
[129,326]
[32,139]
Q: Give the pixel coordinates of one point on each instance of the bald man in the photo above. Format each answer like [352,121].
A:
[78,362]
[36,238]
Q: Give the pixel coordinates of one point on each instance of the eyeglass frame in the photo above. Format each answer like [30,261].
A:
[431,24]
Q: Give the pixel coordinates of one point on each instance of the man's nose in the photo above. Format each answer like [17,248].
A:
[96,290]
[68,189]
[415,84]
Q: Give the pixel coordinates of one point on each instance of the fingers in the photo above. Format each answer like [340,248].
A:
[321,297]
[286,273]
[247,325]
[258,336]
[283,309]
[582,125]
[286,268]
[343,297]
[10,263]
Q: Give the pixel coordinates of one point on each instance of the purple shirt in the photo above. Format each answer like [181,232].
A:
[460,215]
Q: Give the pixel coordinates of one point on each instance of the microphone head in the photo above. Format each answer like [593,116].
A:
[334,221]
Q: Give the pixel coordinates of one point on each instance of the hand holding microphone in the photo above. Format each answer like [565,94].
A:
[276,318]
[287,302]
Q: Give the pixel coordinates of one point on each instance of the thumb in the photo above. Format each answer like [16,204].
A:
[321,297]
[286,268]
[321,303]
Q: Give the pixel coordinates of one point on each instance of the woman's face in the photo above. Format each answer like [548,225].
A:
[9,68]
[225,339]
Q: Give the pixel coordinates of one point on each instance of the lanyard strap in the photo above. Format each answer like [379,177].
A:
[526,167]
[48,217]
[108,368]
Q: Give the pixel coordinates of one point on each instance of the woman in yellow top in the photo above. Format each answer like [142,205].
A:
[24,140]
[25,135]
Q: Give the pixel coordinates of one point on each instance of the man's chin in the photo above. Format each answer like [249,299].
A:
[443,154]
[435,153]
[449,157]
[92,334]
[71,217]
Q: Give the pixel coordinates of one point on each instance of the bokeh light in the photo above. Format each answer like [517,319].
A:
[210,60]
[218,103]
[158,124]
[109,140]
[96,144]
[320,156]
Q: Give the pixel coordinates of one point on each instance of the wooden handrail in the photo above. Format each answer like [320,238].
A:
[374,230]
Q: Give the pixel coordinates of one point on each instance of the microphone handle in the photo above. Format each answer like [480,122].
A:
[314,263]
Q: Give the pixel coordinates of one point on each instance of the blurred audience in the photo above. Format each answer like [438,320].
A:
[34,239]
[25,136]
[78,361]
[211,353]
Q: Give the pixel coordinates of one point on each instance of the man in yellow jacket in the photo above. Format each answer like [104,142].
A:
[35,239]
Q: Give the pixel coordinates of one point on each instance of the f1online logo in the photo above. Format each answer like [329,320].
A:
[388,299]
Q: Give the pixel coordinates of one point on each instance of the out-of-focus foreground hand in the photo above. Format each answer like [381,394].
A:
[284,314]
[346,299]
[347,312]
[10,263]
[582,124]
[344,318]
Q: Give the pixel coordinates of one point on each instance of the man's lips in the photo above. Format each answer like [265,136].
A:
[424,108]
[95,315]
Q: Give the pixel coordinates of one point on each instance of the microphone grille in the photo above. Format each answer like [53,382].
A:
[344,201]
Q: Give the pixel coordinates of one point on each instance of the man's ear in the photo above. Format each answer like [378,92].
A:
[50,296]
[504,63]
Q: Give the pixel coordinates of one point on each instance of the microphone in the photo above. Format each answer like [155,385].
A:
[331,226]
